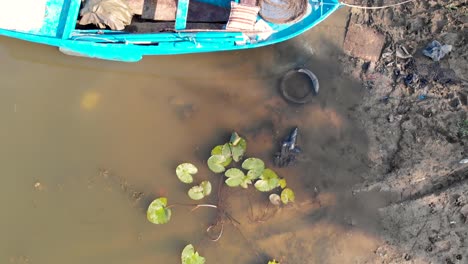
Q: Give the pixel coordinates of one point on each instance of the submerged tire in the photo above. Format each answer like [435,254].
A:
[299,93]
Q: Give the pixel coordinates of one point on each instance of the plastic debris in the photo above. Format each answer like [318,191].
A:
[402,52]
[436,51]
[463,161]
[288,151]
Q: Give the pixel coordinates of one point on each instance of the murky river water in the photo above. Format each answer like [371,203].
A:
[86,144]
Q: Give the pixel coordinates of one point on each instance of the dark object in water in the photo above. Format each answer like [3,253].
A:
[288,151]
[299,86]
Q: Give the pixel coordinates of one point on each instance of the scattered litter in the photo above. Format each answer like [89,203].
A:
[436,51]
[463,161]
[410,79]
[289,150]
[402,52]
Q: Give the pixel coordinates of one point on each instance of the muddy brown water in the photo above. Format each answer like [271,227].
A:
[86,144]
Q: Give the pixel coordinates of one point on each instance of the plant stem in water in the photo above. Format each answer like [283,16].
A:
[196,206]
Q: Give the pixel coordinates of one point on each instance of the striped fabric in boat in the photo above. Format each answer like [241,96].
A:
[242,17]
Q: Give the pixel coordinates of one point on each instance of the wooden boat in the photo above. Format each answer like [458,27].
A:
[56,23]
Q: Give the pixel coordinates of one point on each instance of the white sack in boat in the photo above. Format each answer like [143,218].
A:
[22,15]
[113,13]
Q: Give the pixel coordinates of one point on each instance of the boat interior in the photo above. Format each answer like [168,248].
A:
[235,22]
[150,16]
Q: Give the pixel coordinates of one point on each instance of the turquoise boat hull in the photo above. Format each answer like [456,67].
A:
[59,29]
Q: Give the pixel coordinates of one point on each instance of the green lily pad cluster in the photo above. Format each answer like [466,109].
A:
[190,256]
[223,155]
[264,179]
[254,173]
[185,172]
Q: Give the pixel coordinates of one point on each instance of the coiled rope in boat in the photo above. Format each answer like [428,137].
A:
[282,11]
[290,11]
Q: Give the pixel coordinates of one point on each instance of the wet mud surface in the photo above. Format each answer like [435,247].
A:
[414,113]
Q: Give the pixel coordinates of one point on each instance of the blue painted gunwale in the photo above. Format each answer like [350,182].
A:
[122,46]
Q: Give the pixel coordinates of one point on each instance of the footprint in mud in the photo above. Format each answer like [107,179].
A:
[19,260]
[182,108]
[136,196]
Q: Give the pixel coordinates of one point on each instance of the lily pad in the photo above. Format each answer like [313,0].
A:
[245,182]
[157,212]
[215,163]
[196,193]
[235,177]
[282,183]
[185,171]
[275,199]
[238,150]
[268,181]
[206,185]
[255,167]
[287,195]
[224,150]
[190,256]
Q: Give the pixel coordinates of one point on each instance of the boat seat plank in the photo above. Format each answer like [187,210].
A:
[181,15]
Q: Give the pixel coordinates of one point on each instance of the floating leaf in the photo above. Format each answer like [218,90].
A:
[245,182]
[235,177]
[253,164]
[215,163]
[185,171]
[196,193]
[157,212]
[275,199]
[190,256]
[268,181]
[255,167]
[252,175]
[200,191]
[282,183]
[238,150]
[225,151]
[206,185]
[287,195]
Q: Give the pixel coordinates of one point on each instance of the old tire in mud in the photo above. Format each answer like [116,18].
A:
[299,86]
